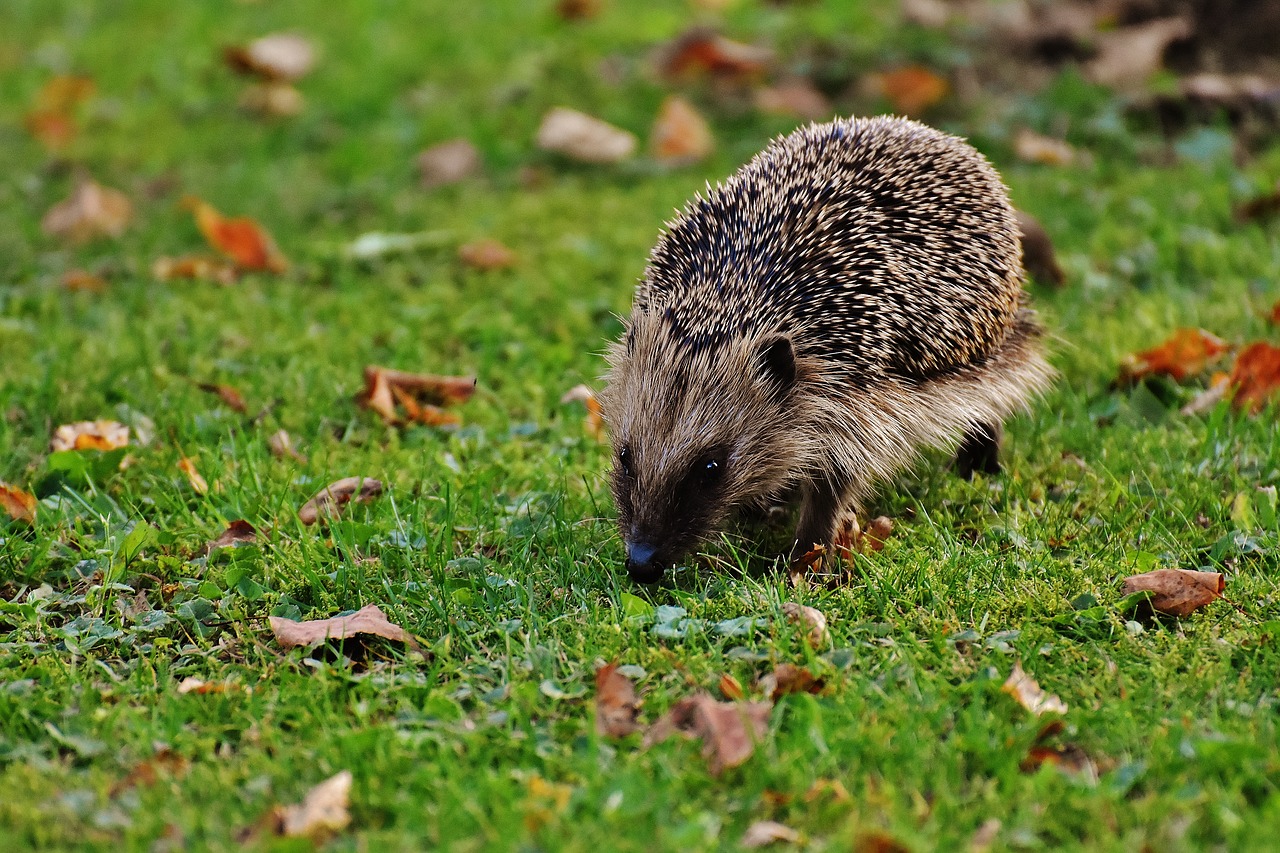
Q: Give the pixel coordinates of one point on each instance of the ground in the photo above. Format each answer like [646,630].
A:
[493,541]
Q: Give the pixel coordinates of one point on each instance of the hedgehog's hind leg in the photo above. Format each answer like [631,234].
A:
[825,500]
[980,451]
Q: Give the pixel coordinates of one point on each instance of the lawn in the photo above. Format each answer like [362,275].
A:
[493,541]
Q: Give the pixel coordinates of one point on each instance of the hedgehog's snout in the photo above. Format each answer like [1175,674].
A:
[642,564]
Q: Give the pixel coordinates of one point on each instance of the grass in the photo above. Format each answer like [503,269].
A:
[494,543]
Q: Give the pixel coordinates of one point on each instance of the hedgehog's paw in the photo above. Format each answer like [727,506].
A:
[979,451]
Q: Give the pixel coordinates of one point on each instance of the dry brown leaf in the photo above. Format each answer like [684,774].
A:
[367,620]
[91,211]
[1255,378]
[240,238]
[237,532]
[278,56]
[90,435]
[197,481]
[194,267]
[788,678]
[680,134]
[423,413]
[1127,56]
[226,393]
[18,504]
[879,842]
[795,97]
[486,254]
[1177,592]
[911,90]
[1038,256]
[730,688]
[145,773]
[321,814]
[809,618]
[52,118]
[578,10]
[593,423]
[82,281]
[728,730]
[282,445]
[579,136]
[421,394]
[1037,148]
[762,833]
[272,98]
[1219,387]
[1024,688]
[616,704]
[702,51]
[1186,353]
[1069,758]
[329,501]
[878,531]
[448,163]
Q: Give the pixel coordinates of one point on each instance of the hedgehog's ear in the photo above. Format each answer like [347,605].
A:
[778,361]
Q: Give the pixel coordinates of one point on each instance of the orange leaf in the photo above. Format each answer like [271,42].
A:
[240,238]
[1256,376]
[1176,592]
[81,281]
[194,267]
[198,482]
[1186,353]
[486,254]
[730,688]
[680,133]
[226,393]
[702,51]
[594,421]
[19,505]
[912,89]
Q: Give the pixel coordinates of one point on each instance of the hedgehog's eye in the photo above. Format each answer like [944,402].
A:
[709,470]
[624,462]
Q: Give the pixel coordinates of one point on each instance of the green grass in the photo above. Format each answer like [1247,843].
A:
[494,542]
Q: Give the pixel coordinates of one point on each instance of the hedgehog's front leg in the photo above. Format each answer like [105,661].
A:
[825,500]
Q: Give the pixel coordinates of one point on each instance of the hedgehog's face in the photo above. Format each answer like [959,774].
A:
[695,437]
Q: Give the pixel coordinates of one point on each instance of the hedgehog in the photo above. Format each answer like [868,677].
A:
[850,298]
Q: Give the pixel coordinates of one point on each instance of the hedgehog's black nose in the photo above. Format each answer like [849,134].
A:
[641,565]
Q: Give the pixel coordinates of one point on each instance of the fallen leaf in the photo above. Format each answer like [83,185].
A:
[278,56]
[795,97]
[762,833]
[1023,688]
[448,163]
[1069,758]
[367,620]
[272,98]
[239,238]
[194,267]
[788,678]
[91,211]
[330,500]
[728,730]
[809,618]
[81,281]
[1037,148]
[17,504]
[879,842]
[237,532]
[911,90]
[680,134]
[702,51]
[616,704]
[594,421]
[486,254]
[90,435]
[1176,592]
[226,393]
[282,445]
[52,118]
[877,533]
[1219,388]
[578,10]
[420,394]
[1127,56]
[1038,256]
[1186,353]
[198,482]
[191,684]
[730,688]
[1255,378]
[145,773]
[321,814]
[578,136]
